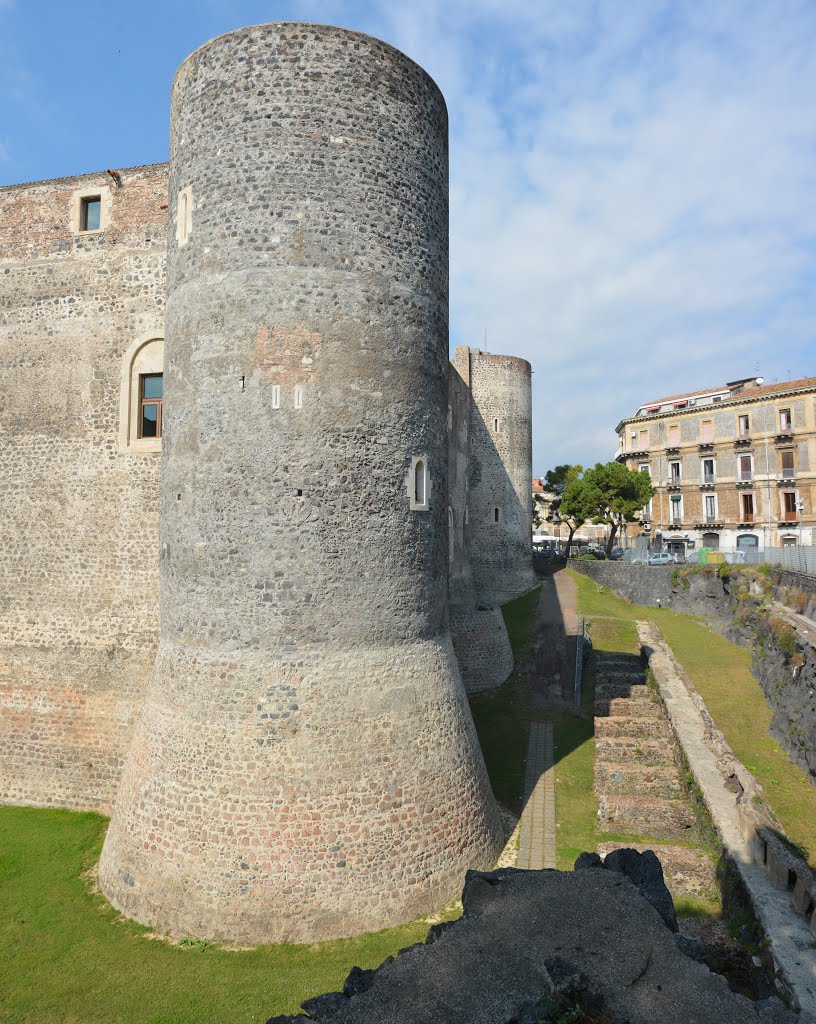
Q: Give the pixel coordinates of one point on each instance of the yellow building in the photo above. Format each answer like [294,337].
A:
[732,466]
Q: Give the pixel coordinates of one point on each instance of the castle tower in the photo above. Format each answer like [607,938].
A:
[305,766]
[500,480]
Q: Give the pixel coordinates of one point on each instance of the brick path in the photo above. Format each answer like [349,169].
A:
[537,842]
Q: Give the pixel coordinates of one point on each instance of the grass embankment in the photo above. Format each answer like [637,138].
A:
[66,957]
[721,672]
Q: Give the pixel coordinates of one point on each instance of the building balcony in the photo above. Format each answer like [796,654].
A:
[709,479]
[743,439]
[787,474]
[674,485]
[746,519]
[709,523]
[672,448]
[675,522]
[745,478]
[706,446]
[784,435]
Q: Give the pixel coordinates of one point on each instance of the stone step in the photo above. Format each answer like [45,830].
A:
[630,779]
[628,707]
[605,676]
[608,691]
[615,658]
[636,751]
[647,816]
[635,728]
[688,872]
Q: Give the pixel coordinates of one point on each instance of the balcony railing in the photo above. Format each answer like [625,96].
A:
[710,518]
[676,520]
[787,474]
[745,476]
[709,478]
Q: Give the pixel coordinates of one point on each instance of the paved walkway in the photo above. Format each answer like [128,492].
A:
[537,841]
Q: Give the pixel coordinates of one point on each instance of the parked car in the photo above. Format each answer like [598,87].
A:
[661,558]
[616,554]
[679,557]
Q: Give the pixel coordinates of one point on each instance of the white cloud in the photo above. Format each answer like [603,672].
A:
[631,194]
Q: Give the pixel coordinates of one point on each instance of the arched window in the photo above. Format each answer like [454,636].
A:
[184,215]
[141,396]
[419,484]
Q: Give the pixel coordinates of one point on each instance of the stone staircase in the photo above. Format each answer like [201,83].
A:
[637,779]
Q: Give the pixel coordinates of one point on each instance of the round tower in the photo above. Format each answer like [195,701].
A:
[306,766]
[500,478]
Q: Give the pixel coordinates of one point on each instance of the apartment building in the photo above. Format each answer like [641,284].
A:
[732,466]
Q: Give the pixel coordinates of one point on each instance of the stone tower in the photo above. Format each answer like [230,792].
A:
[305,766]
[500,474]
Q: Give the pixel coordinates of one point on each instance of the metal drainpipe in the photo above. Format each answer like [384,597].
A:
[768,476]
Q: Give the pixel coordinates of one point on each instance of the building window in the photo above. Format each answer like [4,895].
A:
[90,213]
[298,396]
[151,388]
[674,435]
[709,471]
[419,484]
[743,426]
[786,464]
[276,396]
[643,440]
[745,470]
[785,420]
[676,510]
[712,541]
[495,515]
[675,472]
[644,467]
[789,511]
[747,508]
[789,542]
[141,396]
[707,431]
[710,507]
[495,426]
[747,542]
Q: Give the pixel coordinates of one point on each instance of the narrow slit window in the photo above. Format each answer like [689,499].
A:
[298,396]
[151,393]
[90,213]
[495,515]
[184,206]
[419,483]
[495,426]
[276,396]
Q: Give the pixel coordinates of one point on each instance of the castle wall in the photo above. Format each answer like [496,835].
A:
[500,481]
[78,562]
[479,634]
[305,766]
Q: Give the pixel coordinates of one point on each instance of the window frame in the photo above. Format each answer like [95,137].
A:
[143,357]
[143,401]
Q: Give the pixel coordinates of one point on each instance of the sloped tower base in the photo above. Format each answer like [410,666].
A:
[267,811]
[482,647]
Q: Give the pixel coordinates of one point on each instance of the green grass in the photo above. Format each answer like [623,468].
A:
[66,957]
[721,673]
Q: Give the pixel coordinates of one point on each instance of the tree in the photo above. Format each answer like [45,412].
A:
[578,502]
[619,495]
[569,504]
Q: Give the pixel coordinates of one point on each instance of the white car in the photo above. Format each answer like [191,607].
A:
[661,558]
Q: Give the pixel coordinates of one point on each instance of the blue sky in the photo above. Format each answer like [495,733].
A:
[633,182]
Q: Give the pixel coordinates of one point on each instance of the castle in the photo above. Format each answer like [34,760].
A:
[254,659]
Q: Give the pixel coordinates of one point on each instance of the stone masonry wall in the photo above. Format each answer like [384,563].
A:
[640,584]
[305,766]
[79,558]
[500,475]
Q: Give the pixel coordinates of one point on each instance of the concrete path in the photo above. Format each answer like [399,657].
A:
[537,840]
[791,938]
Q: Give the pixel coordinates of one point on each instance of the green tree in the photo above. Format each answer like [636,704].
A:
[619,495]
[570,504]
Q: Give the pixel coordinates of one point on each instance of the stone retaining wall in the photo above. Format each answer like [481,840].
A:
[640,584]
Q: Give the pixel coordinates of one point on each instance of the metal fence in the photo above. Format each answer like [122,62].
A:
[795,557]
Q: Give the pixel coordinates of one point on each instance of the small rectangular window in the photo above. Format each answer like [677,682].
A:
[151,392]
[676,471]
[785,419]
[276,396]
[495,515]
[789,504]
[90,213]
[298,396]
[707,431]
[744,426]
[674,435]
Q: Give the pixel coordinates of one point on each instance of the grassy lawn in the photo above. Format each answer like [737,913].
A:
[721,672]
[66,957]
